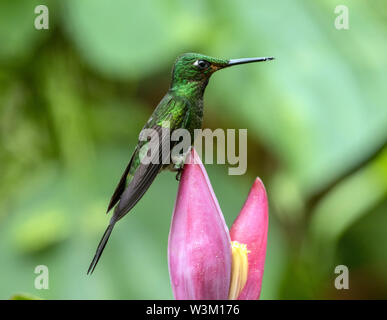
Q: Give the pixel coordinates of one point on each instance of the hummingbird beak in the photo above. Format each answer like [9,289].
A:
[234,62]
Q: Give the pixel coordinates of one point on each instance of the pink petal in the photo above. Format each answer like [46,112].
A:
[250,228]
[199,253]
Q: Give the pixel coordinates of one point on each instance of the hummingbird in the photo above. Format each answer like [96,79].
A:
[180,108]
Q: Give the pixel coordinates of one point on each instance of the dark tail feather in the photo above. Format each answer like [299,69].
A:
[100,248]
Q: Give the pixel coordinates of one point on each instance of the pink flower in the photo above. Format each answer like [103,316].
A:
[205,260]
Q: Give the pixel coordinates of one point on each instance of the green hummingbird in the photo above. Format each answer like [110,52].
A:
[180,108]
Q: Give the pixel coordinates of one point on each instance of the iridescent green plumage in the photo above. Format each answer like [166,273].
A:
[180,108]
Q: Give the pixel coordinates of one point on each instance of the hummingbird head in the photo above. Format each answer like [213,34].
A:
[195,68]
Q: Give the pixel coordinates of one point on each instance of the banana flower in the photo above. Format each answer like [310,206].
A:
[207,261]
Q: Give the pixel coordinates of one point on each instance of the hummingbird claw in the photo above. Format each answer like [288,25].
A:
[178,174]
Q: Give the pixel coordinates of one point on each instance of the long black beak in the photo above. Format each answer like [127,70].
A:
[234,62]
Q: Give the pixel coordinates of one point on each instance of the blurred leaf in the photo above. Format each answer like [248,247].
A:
[24,296]
[129,39]
[40,230]
[67,110]
[17,33]
[315,105]
[349,201]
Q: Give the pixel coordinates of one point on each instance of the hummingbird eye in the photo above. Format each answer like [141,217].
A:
[202,64]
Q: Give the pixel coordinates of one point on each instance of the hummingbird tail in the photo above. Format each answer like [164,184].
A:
[101,247]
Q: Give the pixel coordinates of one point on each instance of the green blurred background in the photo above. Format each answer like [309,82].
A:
[74,98]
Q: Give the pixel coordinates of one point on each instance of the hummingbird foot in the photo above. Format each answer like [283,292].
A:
[178,160]
[178,174]
[178,164]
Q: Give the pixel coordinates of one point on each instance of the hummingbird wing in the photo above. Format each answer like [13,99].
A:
[145,173]
[121,184]
[168,107]
[138,176]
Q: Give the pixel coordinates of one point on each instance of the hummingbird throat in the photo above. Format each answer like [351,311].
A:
[190,88]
